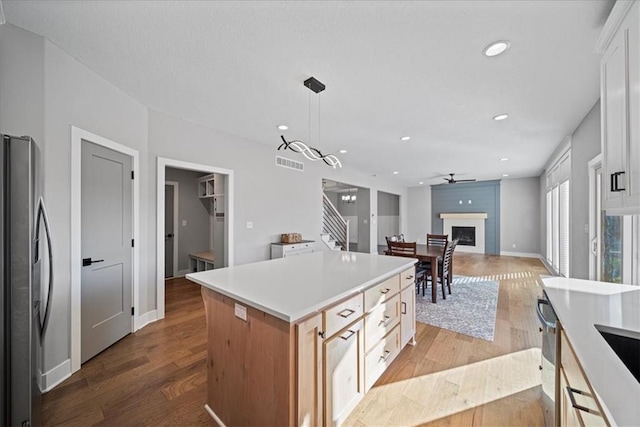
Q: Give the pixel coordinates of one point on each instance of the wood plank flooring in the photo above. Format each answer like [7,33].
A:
[157,375]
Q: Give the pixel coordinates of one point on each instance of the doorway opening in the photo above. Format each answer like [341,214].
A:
[194,229]
[388,218]
[352,204]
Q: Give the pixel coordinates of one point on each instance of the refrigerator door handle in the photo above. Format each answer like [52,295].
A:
[42,214]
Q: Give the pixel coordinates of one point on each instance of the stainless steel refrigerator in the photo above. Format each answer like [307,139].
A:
[27,279]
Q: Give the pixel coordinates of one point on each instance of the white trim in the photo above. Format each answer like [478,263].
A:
[521,254]
[463,216]
[77,135]
[162,164]
[592,166]
[176,214]
[2,18]
[610,28]
[214,416]
[55,376]
[148,317]
[549,267]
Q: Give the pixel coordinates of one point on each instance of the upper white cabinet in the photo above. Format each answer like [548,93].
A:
[620,103]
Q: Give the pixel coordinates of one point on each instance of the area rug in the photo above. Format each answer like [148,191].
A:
[469,310]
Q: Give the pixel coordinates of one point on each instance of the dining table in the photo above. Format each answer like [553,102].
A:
[427,254]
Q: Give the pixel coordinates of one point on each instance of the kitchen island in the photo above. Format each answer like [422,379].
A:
[299,341]
[587,362]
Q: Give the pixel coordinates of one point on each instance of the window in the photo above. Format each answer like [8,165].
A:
[557,212]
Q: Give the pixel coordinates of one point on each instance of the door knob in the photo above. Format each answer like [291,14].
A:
[89,261]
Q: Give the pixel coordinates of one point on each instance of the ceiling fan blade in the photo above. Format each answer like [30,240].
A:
[465,180]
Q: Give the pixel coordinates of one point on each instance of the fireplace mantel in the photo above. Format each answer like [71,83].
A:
[479,215]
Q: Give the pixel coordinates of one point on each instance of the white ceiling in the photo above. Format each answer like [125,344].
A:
[391,69]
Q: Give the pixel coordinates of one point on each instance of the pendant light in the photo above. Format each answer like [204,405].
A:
[298,146]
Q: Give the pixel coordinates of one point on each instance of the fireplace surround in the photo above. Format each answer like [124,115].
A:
[465,223]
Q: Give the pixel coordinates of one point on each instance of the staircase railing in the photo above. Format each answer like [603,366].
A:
[334,224]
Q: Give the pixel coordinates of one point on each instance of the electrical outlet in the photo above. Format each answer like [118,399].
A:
[513,246]
[249,225]
[184,222]
[240,311]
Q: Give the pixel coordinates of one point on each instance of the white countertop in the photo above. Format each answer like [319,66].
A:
[579,304]
[294,287]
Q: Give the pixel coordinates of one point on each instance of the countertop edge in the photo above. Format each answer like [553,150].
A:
[316,308]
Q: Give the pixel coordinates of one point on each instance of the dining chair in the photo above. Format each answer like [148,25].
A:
[409,249]
[437,239]
[444,272]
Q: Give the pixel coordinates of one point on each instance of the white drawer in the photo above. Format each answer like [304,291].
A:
[381,292]
[341,315]
[381,356]
[408,277]
[380,321]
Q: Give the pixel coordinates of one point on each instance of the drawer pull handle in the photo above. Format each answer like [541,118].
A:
[570,391]
[348,335]
[409,278]
[404,308]
[385,356]
[384,321]
[385,291]
[346,313]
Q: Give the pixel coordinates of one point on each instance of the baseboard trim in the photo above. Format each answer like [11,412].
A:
[56,375]
[214,416]
[146,318]
[520,254]
[549,267]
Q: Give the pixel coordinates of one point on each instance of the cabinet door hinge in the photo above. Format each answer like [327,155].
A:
[133,243]
[133,311]
[132,175]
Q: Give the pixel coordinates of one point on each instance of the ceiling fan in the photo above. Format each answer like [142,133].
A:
[452,180]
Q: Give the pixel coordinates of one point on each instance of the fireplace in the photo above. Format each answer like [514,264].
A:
[468,228]
[466,236]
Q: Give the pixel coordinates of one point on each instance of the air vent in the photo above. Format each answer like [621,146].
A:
[289,164]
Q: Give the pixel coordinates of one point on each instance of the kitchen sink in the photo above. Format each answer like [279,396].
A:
[624,343]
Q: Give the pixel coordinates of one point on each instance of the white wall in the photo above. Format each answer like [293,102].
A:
[585,145]
[419,214]
[520,216]
[72,95]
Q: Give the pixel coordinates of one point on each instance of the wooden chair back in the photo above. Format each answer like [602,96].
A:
[394,238]
[447,257]
[402,248]
[437,239]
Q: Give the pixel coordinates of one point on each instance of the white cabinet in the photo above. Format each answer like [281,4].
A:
[344,373]
[620,105]
[283,250]
[407,315]
[212,187]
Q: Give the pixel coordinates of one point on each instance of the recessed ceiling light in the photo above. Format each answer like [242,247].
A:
[496,48]
[343,151]
[421,182]
[505,174]
[504,159]
[283,127]
[500,117]
[395,172]
[405,138]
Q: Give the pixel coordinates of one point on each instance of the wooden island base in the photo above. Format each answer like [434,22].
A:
[250,365]
[265,371]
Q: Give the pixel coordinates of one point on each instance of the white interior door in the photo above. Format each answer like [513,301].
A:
[107,239]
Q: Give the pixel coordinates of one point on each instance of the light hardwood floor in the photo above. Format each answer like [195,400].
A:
[157,375]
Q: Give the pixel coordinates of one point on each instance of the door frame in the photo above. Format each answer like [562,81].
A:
[77,135]
[176,211]
[162,164]
[593,165]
